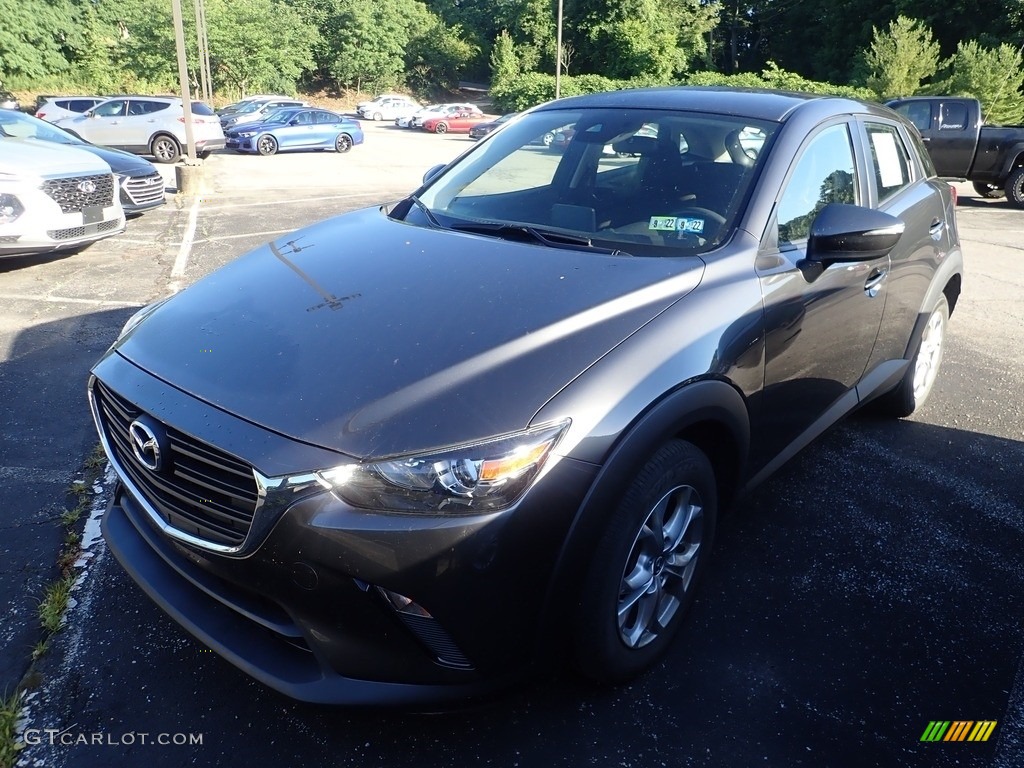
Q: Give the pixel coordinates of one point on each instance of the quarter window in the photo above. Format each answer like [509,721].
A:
[825,173]
[889,158]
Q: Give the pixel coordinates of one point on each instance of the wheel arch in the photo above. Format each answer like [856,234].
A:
[709,413]
[1014,159]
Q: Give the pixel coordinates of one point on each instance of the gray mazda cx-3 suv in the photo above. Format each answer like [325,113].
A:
[402,454]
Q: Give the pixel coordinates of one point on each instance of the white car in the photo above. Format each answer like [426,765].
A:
[147,125]
[387,107]
[445,110]
[256,110]
[58,107]
[406,120]
[54,197]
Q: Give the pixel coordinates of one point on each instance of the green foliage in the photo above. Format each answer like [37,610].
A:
[34,38]
[901,58]
[437,57]
[993,76]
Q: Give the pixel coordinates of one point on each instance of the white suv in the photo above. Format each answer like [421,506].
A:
[147,125]
[54,197]
[387,107]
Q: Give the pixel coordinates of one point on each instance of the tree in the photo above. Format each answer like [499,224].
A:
[437,56]
[34,37]
[993,76]
[901,58]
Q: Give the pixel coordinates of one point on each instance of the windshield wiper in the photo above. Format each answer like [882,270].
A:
[431,218]
[523,233]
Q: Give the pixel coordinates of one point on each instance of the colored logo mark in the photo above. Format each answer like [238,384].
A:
[958,730]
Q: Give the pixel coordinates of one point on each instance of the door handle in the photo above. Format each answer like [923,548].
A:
[936,229]
[873,284]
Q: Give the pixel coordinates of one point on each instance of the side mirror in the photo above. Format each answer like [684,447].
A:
[429,175]
[851,233]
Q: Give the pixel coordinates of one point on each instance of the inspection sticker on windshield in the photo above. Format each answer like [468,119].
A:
[676,224]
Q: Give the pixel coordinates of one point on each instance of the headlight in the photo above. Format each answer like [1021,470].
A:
[480,477]
[10,209]
[244,134]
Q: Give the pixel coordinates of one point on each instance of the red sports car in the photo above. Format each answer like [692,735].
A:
[458,123]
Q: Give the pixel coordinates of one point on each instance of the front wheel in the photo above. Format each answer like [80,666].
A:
[990,191]
[916,385]
[441,128]
[343,143]
[165,149]
[266,145]
[377,117]
[647,565]
[1015,188]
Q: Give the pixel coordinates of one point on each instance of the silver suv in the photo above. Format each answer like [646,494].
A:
[147,125]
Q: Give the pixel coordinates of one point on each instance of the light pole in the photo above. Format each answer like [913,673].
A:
[558,54]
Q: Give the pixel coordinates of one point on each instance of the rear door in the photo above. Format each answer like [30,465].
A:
[950,129]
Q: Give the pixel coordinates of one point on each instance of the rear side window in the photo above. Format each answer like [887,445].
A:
[825,173]
[890,160]
[198,108]
[146,107]
[327,117]
[952,117]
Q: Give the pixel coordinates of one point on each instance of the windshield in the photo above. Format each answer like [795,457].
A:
[649,182]
[19,126]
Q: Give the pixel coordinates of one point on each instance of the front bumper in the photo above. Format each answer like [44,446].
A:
[43,227]
[303,606]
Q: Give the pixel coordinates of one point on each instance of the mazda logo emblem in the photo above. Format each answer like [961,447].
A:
[87,187]
[145,445]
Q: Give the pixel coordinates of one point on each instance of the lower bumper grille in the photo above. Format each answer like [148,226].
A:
[196,488]
[73,233]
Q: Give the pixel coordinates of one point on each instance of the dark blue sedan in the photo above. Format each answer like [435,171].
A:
[294,129]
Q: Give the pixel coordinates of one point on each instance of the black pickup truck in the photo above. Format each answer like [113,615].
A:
[962,147]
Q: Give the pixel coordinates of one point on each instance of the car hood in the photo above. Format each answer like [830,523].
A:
[37,159]
[375,338]
[120,162]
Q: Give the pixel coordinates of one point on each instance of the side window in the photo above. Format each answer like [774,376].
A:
[824,173]
[917,112]
[952,116]
[303,118]
[889,158]
[114,108]
[327,117]
[145,107]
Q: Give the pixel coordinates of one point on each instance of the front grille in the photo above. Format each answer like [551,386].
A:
[67,193]
[9,238]
[201,490]
[72,233]
[143,190]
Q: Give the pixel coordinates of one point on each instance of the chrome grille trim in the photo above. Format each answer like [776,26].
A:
[71,199]
[220,526]
[142,190]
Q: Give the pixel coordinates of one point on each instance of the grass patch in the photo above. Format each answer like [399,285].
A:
[10,709]
[55,602]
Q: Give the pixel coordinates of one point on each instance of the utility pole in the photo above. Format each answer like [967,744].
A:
[203,46]
[189,175]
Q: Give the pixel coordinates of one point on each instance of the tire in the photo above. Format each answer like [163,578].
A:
[1015,188]
[377,117]
[165,149]
[441,128]
[266,145]
[205,154]
[343,143]
[990,191]
[917,383]
[645,569]
[547,139]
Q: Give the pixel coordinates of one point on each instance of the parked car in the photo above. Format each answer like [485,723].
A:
[255,111]
[963,147]
[458,122]
[259,98]
[57,107]
[493,424]
[140,185]
[480,130]
[408,120]
[295,129]
[54,198]
[445,110]
[147,125]
[387,108]
[8,101]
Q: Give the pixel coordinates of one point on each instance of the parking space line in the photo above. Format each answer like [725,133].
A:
[186,242]
[244,234]
[68,300]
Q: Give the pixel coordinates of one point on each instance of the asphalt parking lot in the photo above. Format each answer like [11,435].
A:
[872,586]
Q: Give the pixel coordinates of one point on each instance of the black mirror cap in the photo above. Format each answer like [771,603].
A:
[843,232]
[430,174]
